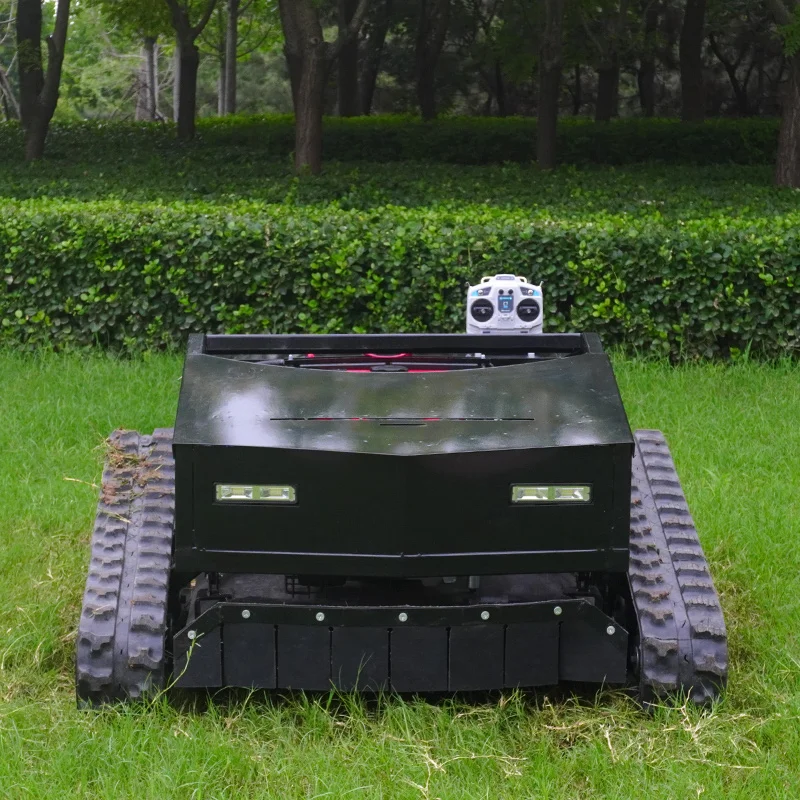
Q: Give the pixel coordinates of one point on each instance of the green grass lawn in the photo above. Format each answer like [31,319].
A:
[735,434]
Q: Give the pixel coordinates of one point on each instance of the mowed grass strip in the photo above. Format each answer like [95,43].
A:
[735,436]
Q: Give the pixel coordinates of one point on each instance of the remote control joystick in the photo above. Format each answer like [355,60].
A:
[505,304]
[482,310]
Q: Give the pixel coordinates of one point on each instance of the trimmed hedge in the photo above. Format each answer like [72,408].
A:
[125,276]
[456,140]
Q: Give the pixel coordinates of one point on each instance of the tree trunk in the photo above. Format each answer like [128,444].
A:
[152,76]
[740,93]
[309,58]
[189,61]
[784,63]
[577,92]
[426,94]
[38,107]
[141,112]
[36,138]
[308,111]
[759,78]
[434,17]
[376,38]
[787,171]
[646,77]
[739,89]
[646,80]
[549,83]
[693,103]
[147,94]
[607,90]
[348,64]
[176,83]
[487,103]
[294,67]
[221,83]
[500,88]
[29,50]
[511,98]
[231,63]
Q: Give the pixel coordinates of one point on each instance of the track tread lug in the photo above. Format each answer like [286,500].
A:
[694,657]
[122,655]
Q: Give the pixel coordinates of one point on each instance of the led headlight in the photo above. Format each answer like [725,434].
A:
[241,493]
[528,493]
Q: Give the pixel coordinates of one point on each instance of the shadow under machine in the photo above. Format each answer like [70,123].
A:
[409,513]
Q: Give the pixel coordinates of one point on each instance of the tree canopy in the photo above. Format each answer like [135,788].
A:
[161,59]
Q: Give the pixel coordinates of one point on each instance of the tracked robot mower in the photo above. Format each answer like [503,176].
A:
[410,513]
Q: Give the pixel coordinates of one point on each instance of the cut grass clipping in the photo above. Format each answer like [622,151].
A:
[735,437]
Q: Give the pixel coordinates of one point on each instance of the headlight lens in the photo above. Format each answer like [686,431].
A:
[245,493]
[528,493]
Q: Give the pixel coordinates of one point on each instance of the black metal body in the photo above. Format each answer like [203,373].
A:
[402,451]
[405,471]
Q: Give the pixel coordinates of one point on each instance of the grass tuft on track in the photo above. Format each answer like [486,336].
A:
[735,436]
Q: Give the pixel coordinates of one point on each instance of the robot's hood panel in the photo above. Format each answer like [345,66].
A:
[540,404]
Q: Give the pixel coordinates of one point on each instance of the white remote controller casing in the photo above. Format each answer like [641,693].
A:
[505,304]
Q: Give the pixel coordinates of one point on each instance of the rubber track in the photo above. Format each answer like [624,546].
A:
[120,650]
[683,646]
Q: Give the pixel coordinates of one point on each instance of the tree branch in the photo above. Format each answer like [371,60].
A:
[350,32]
[179,19]
[779,10]
[56,44]
[590,34]
[717,51]
[743,51]
[247,52]
[8,93]
[200,27]
[289,25]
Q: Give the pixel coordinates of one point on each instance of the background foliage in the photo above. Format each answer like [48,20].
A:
[488,64]
[455,140]
[701,263]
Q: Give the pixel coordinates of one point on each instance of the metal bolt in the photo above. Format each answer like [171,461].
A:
[611,630]
[402,616]
[557,610]
[246,614]
[192,635]
[320,617]
[484,615]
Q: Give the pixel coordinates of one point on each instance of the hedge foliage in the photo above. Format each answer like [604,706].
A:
[456,140]
[131,276]
[126,239]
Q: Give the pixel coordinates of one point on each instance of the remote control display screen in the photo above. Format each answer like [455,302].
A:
[505,303]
